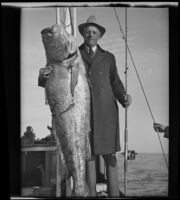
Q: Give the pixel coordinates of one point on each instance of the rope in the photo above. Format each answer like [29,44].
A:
[126,115]
[124,37]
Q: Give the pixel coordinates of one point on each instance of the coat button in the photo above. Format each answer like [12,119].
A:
[100,73]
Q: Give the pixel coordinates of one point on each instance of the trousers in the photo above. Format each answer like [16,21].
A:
[111,172]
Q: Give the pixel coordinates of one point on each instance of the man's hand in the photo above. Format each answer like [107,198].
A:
[45,72]
[159,127]
[128,100]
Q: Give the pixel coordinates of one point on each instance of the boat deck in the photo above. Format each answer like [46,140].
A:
[36,191]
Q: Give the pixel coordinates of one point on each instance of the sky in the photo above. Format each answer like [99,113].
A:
[147,38]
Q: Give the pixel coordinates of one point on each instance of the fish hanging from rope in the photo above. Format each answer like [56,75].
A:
[68,96]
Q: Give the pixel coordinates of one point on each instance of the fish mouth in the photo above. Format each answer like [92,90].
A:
[48,31]
[53,30]
[45,31]
[58,44]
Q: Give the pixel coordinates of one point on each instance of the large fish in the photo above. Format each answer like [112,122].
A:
[68,96]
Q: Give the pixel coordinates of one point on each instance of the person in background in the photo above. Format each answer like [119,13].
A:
[28,137]
[162,129]
[106,89]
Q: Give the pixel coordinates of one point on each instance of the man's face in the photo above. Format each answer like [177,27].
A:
[91,35]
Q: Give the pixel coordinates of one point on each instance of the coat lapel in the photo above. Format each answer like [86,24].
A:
[100,54]
[84,54]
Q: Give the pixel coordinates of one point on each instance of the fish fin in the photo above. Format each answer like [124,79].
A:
[74,77]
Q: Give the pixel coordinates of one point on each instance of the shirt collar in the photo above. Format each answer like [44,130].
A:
[93,48]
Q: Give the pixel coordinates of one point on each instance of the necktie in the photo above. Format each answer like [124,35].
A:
[91,53]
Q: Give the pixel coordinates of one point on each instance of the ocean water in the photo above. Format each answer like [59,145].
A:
[147,175]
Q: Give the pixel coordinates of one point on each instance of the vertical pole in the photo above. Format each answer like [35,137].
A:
[58,181]
[58,175]
[58,15]
[68,20]
[74,21]
[126,128]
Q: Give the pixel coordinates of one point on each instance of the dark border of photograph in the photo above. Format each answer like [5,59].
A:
[11,104]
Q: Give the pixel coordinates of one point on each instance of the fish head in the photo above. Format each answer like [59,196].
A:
[58,44]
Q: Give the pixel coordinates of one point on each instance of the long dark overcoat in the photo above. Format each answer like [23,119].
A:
[105,87]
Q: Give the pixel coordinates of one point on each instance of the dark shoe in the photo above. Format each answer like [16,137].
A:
[102,194]
[121,194]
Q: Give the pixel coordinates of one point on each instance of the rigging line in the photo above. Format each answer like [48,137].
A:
[126,114]
[139,82]
[124,37]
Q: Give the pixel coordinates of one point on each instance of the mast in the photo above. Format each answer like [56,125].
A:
[126,109]
[58,15]
[74,21]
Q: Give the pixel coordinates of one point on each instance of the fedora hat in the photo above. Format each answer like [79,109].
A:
[91,21]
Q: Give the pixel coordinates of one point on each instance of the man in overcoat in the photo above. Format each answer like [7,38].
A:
[106,88]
